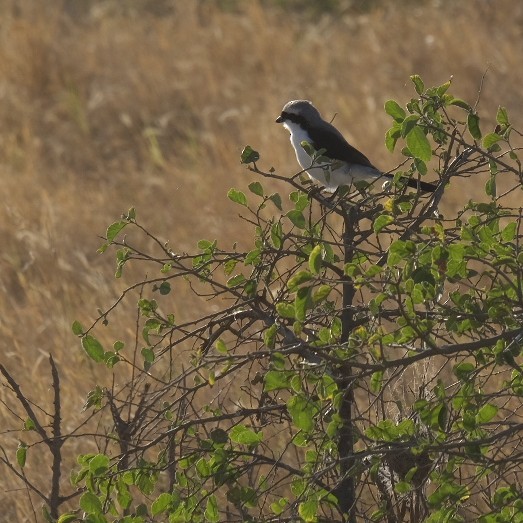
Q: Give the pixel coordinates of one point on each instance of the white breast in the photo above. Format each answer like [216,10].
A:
[299,135]
[330,178]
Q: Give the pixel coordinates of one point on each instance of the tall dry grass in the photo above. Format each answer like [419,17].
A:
[106,105]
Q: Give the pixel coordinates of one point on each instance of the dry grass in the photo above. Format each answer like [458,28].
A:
[104,108]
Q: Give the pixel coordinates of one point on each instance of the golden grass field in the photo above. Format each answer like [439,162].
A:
[106,105]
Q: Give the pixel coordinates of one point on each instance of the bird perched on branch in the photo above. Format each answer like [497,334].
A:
[338,163]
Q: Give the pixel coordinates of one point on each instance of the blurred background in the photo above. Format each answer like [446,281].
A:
[109,104]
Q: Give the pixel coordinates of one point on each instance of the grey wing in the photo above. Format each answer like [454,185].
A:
[329,138]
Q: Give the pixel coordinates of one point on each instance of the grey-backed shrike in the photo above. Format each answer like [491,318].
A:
[347,164]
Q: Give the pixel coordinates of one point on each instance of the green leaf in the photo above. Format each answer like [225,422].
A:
[300,200]
[456,264]
[102,248]
[486,413]
[118,345]
[99,464]
[308,148]
[442,412]
[402,487]
[147,355]
[93,348]
[493,166]
[256,188]
[276,199]
[90,503]
[421,167]
[418,83]
[418,144]
[490,187]
[122,255]
[21,454]
[206,245]
[473,126]
[114,229]
[393,109]
[151,325]
[237,197]
[220,346]
[235,281]
[229,266]
[300,277]
[302,412]
[111,359]
[279,506]
[321,293]
[458,102]
[503,496]
[219,436]
[253,257]
[165,288]
[302,302]
[161,503]
[245,496]
[277,235]
[423,275]
[408,124]
[67,518]
[245,436]
[211,510]
[249,155]
[269,336]
[315,259]
[297,218]
[509,232]
[285,310]
[447,491]
[308,510]
[381,222]
[400,250]
[277,380]
[387,430]
[77,328]
[94,398]
[464,370]
[203,468]
[29,424]
[502,116]
[391,137]
[376,381]
[443,88]
[469,421]
[491,139]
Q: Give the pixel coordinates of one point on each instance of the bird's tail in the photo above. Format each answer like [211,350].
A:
[424,186]
[418,184]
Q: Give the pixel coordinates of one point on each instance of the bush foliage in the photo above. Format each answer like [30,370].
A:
[357,359]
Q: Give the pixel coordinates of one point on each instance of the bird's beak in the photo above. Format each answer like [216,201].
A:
[279,119]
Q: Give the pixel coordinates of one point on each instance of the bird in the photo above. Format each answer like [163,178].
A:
[345,164]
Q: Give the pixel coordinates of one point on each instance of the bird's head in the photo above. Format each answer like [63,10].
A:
[300,112]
